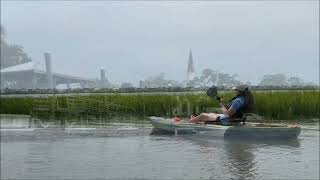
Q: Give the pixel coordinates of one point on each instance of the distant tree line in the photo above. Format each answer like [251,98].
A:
[141,90]
[11,54]
[283,80]
[159,81]
[209,77]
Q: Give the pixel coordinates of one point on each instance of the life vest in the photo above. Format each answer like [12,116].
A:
[240,111]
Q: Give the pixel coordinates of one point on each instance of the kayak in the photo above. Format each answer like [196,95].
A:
[248,130]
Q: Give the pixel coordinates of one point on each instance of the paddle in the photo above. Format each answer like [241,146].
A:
[213,92]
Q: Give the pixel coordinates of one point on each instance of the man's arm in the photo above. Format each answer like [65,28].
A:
[226,111]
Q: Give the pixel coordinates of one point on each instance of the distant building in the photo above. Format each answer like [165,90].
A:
[104,83]
[190,70]
[142,84]
[28,76]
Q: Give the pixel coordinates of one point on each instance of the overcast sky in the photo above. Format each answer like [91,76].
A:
[133,40]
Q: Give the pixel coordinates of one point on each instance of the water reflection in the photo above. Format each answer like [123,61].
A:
[266,142]
[241,159]
[236,157]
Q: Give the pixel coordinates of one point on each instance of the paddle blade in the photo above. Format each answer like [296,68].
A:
[212,91]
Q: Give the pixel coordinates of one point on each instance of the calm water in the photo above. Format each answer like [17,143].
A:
[137,153]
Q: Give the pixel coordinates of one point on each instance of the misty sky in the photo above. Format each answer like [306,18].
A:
[133,40]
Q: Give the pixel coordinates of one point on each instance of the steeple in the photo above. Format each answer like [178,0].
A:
[190,70]
[190,63]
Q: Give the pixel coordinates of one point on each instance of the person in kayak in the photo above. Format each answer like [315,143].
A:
[241,103]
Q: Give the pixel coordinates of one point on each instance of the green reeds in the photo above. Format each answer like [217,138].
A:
[277,105]
[288,104]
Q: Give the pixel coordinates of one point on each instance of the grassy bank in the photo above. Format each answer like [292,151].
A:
[284,105]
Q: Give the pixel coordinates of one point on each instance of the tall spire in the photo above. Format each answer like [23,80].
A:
[190,63]
[190,70]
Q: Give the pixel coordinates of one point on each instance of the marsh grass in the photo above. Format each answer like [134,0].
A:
[286,105]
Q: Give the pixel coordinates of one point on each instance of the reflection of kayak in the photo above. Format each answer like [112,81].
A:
[249,130]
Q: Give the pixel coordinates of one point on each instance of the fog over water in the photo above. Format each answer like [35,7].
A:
[134,40]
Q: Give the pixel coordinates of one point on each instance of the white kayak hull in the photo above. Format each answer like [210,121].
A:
[250,130]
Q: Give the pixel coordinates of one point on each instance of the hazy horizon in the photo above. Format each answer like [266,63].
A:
[134,40]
